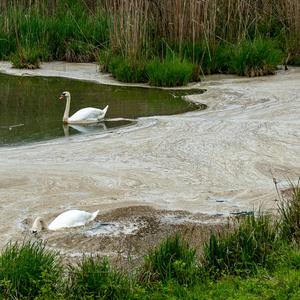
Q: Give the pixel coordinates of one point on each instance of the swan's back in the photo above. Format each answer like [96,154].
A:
[88,114]
[72,218]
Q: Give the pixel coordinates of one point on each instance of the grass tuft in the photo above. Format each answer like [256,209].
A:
[256,58]
[289,209]
[27,269]
[93,278]
[173,259]
[172,71]
[78,51]
[125,70]
[26,58]
[244,248]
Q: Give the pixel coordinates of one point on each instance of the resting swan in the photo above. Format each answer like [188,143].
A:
[70,218]
[86,115]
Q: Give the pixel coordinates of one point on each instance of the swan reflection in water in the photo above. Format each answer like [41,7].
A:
[88,128]
[97,127]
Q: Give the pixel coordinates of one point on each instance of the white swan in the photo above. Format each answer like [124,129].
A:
[70,218]
[86,115]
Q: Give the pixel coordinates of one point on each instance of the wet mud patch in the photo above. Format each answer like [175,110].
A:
[125,235]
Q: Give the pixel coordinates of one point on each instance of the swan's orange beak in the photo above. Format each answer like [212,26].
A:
[61,97]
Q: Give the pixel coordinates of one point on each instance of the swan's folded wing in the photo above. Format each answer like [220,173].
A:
[71,218]
[88,113]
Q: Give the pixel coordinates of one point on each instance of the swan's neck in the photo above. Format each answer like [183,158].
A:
[67,110]
[39,224]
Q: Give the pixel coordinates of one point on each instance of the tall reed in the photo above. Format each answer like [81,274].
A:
[137,25]
[128,31]
[70,31]
[140,30]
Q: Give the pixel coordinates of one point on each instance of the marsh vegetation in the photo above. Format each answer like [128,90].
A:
[138,40]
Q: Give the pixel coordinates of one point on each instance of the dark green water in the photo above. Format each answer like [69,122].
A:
[30,110]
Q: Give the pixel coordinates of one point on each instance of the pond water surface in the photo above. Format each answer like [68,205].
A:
[30,110]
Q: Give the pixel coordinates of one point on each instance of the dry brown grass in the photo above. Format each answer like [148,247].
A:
[128,32]
[138,24]
[180,21]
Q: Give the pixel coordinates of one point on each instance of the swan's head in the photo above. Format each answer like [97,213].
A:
[64,95]
[38,225]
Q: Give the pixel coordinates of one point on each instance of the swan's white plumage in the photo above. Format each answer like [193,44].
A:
[86,115]
[70,218]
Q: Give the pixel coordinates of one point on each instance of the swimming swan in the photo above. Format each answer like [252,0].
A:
[86,115]
[70,218]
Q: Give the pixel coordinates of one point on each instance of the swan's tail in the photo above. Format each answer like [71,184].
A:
[104,110]
[94,215]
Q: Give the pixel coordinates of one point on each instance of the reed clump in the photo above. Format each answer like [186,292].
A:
[68,31]
[143,31]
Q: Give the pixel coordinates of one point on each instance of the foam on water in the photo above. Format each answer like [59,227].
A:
[112,228]
[222,159]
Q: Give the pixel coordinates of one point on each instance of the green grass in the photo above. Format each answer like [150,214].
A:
[94,279]
[173,259]
[78,51]
[210,57]
[256,58]
[72,33]
[65,39]
[125,70]
[244,248]
[283,284]
[170,72]
[289,208]
[104,59]
[170,271]
[27,270]
[26,58]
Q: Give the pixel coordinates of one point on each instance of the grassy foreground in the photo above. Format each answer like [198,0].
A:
[165,43]
[255,257]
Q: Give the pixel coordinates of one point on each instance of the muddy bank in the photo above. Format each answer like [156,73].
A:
[214,162]
[125,235]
